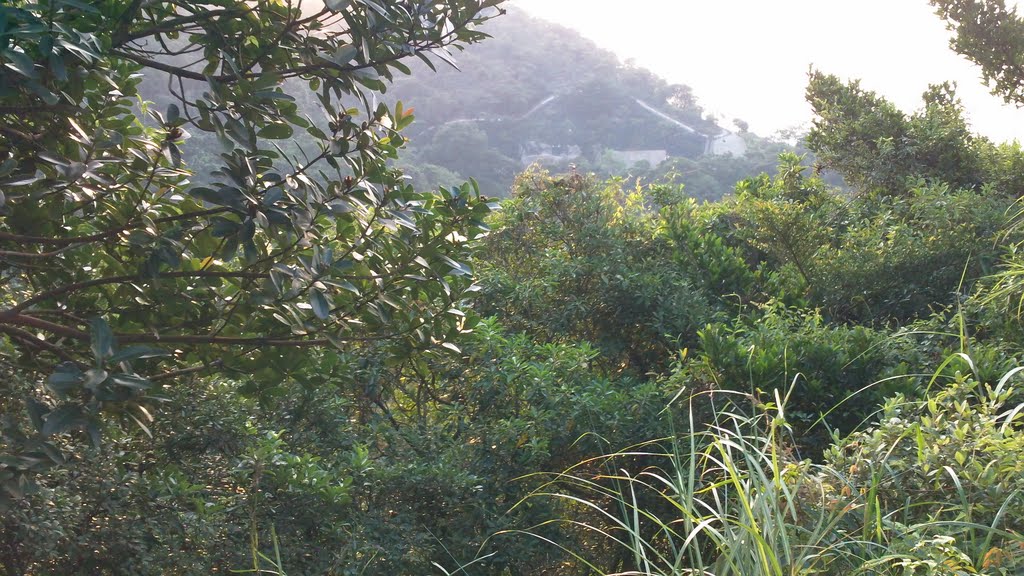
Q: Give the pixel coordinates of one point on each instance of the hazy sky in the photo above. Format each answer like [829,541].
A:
[749,58]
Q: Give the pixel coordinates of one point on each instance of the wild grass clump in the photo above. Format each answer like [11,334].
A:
[934,488]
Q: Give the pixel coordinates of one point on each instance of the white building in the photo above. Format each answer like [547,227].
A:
[633,157]
[726,143]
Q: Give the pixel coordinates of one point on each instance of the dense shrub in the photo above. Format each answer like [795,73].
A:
[573,259]
[933,489]
[838,374]
[930,459]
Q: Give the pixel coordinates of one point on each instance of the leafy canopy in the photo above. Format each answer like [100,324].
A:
[119,271]
[992,36]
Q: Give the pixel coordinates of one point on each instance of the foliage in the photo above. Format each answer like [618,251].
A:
[992,36]
[839,375]
[726,500]
[788,218]
[571,259]
[466,148]
[371,468]
[518,406]
[873,259]
[274,345]
[730,499]
[212,474]
[900,257]
[711,177]
[877,147]
[964,440]
[703,250]
[108,244]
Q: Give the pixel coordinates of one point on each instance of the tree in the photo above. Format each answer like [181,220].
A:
[120,272]
[877,147]
[574,259]
[992,36]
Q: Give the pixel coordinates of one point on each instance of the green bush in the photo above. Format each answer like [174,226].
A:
[934,489]
[872,259]
[902,256]
[839,374]
[963,441]
[571,259]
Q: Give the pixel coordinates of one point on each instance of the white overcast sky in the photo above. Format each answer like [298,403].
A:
[749,58]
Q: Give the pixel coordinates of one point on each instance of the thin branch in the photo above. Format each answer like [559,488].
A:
[185,371]
[23,239]
[50,254]
[69,332]
[56,292]
[172,24]
[31,340]
[287,72]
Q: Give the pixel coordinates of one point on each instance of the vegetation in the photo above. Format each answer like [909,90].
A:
[235,336]
[904,498]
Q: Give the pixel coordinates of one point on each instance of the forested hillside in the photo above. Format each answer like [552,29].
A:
[539,91]
[237,337]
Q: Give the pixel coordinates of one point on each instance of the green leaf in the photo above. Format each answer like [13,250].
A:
[36,412]
[337,5]
[102,339]
[52,452]
[173,154]
[62,419]
[376,7]
[94,377]
[20,62]
[344,285]
[276,131]
[239,133]
[80,5]
[222,227]
[57,67]
[250,252]
[64,379]
[8,166]
[43,92]
[137,353]
[344,54]
[92,427]
[458,268]
[131,381]
[321,308]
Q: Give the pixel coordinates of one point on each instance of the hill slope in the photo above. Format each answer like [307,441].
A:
[539,91]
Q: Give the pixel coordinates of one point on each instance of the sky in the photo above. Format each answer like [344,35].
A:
[749,59]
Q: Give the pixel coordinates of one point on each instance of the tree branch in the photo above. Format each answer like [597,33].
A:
[31,340]
[23,239]
[183,72]
[56,292]
[172,24]
[184,371]
[69,332]
[50,254]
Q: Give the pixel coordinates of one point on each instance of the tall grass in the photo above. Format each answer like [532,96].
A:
[729,499]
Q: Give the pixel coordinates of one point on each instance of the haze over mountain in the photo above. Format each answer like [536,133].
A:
[538,91]
[750,58]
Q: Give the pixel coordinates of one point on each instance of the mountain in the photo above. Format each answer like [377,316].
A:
[540,92]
